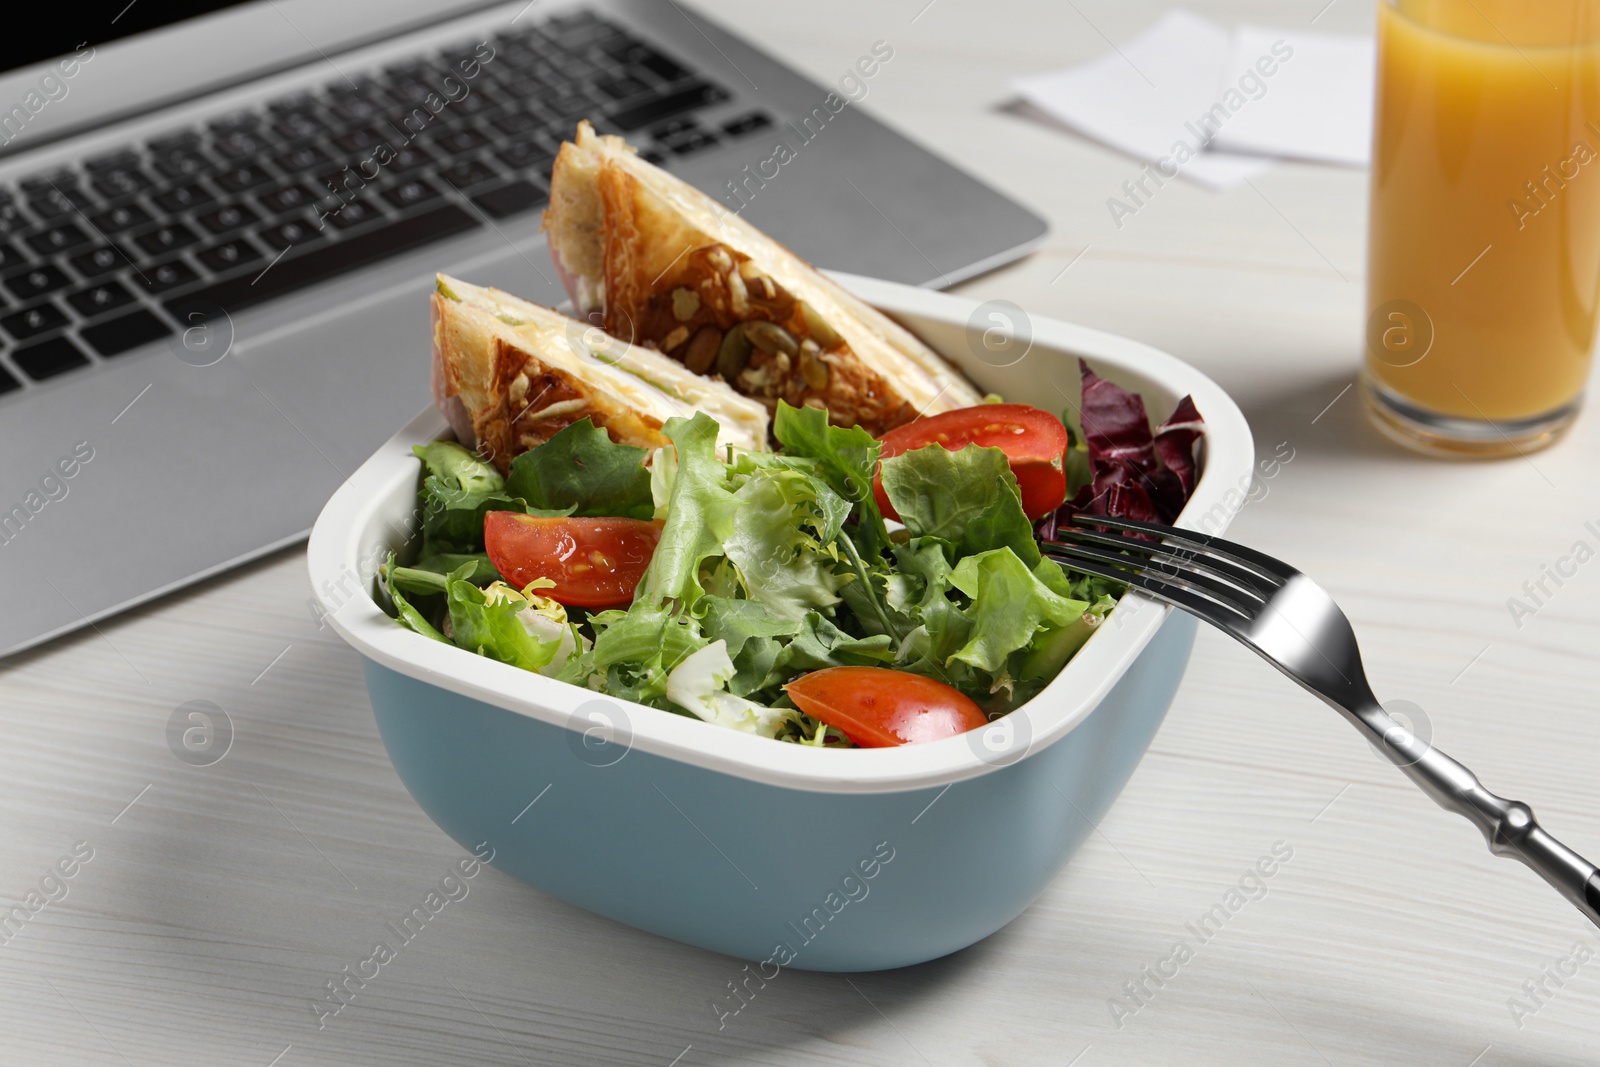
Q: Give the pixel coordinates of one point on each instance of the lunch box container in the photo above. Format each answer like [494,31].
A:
[781,854]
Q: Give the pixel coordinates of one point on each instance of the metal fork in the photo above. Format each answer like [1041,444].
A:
[1292,623]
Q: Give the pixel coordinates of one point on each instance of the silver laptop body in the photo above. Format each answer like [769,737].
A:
[194,367]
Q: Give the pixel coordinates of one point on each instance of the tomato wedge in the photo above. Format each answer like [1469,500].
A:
[876,707]
[595,563]
[1033,439]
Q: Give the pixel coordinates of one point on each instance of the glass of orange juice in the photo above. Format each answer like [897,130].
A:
[1484,246]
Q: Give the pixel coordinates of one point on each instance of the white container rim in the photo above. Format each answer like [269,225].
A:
[341,546]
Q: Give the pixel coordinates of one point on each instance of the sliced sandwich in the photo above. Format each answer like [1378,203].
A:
[661,264]
[509,374]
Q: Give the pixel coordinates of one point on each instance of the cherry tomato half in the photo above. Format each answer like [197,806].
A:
[876,707]
[595,563]
[1034,440]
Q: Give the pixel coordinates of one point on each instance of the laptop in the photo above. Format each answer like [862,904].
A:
[219,224]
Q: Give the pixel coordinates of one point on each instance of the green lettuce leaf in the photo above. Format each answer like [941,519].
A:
[636,649]
[968,498]
[819,643]
[735,622]
[452,518]
[581,471]
[457,490]
[409,616]
[784,523]
[457,467]
[848,458]
[449,562]
[699,515]
[490,623]
[1009,603]
[751,636]
[1050,650]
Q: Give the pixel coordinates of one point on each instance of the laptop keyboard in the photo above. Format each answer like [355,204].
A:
[260,203]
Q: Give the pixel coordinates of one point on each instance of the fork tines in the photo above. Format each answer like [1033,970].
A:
[1195,571]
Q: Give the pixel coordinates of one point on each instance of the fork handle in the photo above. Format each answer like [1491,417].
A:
[1508,826]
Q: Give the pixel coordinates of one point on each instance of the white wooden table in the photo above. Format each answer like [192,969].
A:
[220,899]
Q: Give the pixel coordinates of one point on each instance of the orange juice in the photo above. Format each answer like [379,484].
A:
[1484,250]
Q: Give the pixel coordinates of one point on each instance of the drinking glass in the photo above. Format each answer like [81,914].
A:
[1484,241]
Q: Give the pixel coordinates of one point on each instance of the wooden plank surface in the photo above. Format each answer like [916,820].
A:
[219,899]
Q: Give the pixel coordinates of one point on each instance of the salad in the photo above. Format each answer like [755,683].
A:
[842,590]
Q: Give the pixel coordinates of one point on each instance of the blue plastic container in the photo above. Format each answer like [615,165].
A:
[779,854]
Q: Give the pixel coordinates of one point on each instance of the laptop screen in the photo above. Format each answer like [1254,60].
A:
[72,26]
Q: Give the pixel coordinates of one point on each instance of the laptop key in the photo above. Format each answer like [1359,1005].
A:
[57,239]
[510,199]
[11,220]
[49,358]
[656,63]
[122,217]
[456,142]
[410,92]
[620,88]
[301,159]
[165,277]
[691,142]
[229,254]
[527,155]
[99,261]
[466,174]
[236,144]
[34,321]
[300,124]
[290,233]
[571,106]
[516,122]
[408,159]
[8,382]
[238,120]
[287,198]
[361,139]
[181,198]
[125,332]
[59,202]
[355,213]
[29,282]
[165,239]
[39,184]
[115,160]
[115,184]
[298,270]
[476,104]
[651,112]
[99,299]
[244,174]
[407,193]
[10,258]
[185,163]
[228,217]
[747,124]
[349,106]
[172,142]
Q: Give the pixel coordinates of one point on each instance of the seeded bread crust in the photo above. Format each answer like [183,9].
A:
[661,264]
[509,375]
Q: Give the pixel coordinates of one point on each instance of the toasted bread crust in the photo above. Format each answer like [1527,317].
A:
[663,265]
[509,375]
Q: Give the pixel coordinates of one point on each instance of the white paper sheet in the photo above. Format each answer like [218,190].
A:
[1179,84]
[1318,106]
[1138,96]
